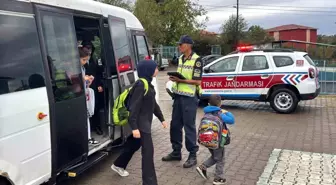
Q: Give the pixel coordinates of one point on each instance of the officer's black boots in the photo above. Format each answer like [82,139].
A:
[172,157]
[192,161]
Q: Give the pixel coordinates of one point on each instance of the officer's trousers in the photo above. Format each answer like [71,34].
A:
[184,115]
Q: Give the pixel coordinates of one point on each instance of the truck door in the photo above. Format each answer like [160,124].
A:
[69,134]
[219,78]
[255,73]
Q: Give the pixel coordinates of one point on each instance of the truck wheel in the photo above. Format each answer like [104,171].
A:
[284,101]
[162,68]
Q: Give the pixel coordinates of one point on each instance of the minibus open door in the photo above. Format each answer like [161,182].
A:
[119,71]
[65,87]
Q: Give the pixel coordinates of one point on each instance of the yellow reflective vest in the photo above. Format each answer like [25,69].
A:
[186,69]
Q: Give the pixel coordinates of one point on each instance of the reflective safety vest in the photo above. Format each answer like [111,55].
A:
[186,69]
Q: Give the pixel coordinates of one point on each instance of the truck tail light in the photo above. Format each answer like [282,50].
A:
[311,73]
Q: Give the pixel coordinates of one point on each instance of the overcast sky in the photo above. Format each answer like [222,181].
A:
[320,14]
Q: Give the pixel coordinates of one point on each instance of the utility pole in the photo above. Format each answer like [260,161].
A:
[237,24]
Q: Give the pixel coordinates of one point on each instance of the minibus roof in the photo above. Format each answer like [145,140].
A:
[97,8]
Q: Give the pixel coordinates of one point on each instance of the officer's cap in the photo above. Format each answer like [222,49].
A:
[185,39]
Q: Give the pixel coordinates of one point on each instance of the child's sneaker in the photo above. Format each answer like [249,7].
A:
[219,181]
[202,171]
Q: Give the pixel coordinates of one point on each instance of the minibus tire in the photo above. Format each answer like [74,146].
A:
[4,181]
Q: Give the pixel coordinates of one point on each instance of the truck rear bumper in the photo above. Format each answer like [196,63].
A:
[311,96]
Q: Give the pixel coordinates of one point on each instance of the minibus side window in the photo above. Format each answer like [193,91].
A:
[21,66]
[121,47]
[122,52]
[62,55]
[142,47]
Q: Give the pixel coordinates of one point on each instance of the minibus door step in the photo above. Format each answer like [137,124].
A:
[91,161]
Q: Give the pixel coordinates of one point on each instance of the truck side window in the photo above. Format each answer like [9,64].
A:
[225,65]
[21,66]
[282,61]
[255,62]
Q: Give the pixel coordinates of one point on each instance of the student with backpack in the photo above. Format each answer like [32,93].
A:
[214,134]
[141,105]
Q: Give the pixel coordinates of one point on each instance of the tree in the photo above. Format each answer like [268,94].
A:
[229,31]
[257,34]
[331,39]
[204,42]
[148,12]
[126,4]
[165,22]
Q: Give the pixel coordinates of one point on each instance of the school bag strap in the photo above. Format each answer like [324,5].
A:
[145,82]
[228,137]
[219,113]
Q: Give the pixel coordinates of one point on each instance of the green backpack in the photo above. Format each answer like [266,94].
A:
[120,111]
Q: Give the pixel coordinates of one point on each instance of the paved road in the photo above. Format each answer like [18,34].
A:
[258,131]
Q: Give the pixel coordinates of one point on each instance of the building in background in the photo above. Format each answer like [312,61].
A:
[208,33]
[294,32]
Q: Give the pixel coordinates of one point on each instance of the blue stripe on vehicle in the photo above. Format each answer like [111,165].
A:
[235,74]
[297,79]
[286,79]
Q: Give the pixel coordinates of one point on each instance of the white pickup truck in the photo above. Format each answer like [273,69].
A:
[163,64]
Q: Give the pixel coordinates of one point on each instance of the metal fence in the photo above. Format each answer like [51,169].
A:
[327,76]
[169,52]
[216,50]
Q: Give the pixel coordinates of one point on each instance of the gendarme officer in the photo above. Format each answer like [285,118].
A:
[185,103]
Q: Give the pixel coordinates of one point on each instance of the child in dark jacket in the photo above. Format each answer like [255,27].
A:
[141,107]
[217,155]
